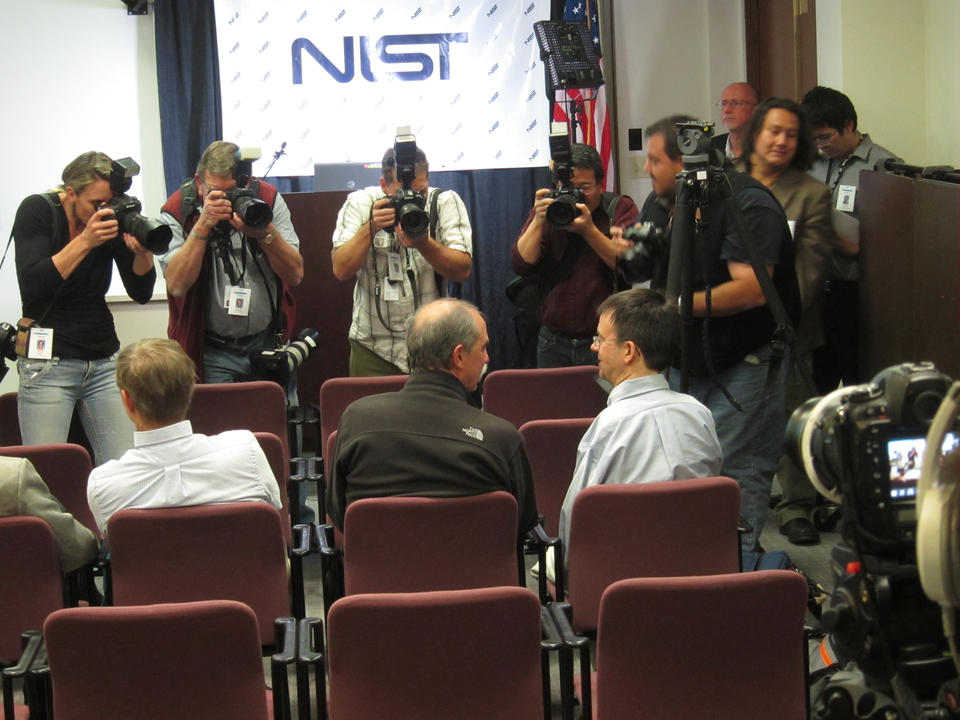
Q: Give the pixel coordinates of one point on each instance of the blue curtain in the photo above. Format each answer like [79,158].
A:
[497,201]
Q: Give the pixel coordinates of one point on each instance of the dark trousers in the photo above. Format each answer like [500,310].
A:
[838,359]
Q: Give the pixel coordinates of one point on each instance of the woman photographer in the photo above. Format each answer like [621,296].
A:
[67,242]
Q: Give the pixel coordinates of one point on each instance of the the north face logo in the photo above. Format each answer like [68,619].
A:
[475,433]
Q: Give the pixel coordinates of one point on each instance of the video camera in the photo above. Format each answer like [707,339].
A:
[863,446]
[282,362]
[563,210]
[152,234]
[408,203]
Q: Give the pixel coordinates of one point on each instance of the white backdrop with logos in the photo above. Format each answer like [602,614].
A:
[334,80]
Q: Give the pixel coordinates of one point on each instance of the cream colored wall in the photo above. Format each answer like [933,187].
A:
[900,65]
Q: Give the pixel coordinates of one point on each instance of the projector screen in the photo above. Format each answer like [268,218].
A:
[334,81]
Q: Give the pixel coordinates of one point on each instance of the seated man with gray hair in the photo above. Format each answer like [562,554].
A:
[427,440]
[170,465]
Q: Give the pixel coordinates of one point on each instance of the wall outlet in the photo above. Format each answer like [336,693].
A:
[637,161]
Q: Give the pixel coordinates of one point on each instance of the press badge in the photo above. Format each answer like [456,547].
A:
[395,266]
[846,197]
[391,291]
[41,343]
[238,301]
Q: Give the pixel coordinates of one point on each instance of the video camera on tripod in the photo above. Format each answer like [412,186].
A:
[864,447]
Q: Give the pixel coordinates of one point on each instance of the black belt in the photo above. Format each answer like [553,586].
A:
[571,336]
[226,343]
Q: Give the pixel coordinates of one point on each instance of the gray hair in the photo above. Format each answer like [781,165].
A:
[436,329]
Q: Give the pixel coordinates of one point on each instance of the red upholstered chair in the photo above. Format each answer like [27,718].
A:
[726,647]
[65,469]
[233,551]
[415,544]
[256,406]
[542,393]
[31,587]
[552,449]
[465,654]
[662,529]
[183,660]
[272,447]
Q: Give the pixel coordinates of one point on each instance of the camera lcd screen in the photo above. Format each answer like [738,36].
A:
[906,459]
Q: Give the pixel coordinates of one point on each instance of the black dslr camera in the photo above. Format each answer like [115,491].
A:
[647,258]
[563,210]
[408,203]
[255,213]
[8,346]
[279,364]
[152,234]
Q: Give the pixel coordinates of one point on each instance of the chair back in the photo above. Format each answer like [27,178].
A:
[9,420]
[233,551]
[272,447]
[662,529]
[65,469]
[541,393]
[725,646]
[466,654]
[415,544]
[552,450]
[336,394]
[185,660]
[31,585]
[258,406]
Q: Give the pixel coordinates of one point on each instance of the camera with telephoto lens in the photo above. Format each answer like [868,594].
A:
[279,364]
[563,210]
[255,213]
[408,203]
[8,346]
[647,258]
[152,234]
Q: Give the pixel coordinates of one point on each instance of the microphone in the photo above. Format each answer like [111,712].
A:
[276,156]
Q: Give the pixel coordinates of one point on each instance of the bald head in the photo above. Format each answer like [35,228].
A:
[448,335]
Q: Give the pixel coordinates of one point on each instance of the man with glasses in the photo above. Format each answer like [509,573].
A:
[648,432]
[844,153]
[576,265]
[736,106]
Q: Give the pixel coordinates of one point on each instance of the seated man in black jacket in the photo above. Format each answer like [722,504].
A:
[427,440]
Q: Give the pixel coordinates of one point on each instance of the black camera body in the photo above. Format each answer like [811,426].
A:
[647,258]
[154,235]
[255,213]
[563,210]
[280,363]
[866,443]
[409,205]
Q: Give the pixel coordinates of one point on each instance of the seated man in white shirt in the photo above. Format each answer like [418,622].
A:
[647,432]
[170,465]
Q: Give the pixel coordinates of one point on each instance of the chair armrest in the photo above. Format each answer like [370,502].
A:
[285,643]
[310,654]
[32,642]
[538,539]
[560,613]
[325,540]
[302,539]
[550,641]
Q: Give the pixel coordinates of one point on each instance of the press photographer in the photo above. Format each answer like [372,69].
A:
[865,447]
[67,242]
[566,246]
[729,327]
[402,241]
[232,261]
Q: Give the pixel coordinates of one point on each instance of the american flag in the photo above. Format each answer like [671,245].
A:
[593,124]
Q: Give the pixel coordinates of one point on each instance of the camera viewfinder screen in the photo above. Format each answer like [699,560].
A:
[906,459]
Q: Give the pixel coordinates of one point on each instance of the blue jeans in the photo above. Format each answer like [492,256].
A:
[49,391]
[556,350]
[751,440]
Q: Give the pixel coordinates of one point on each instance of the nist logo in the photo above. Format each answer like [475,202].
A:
[386,57]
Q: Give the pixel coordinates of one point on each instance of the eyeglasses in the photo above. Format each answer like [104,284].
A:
[732,103]
[824,138]
[585,187]
[599,340]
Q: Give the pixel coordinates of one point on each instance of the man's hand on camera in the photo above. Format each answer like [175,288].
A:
[383,216]
[583,223]
[101,226]
[417,243]
[216,207]
[541,204]
[620,246]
